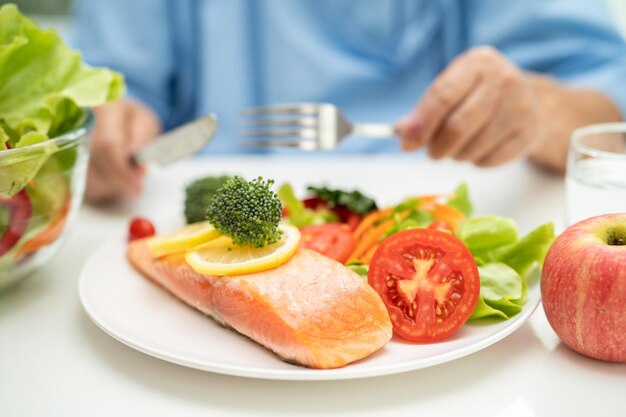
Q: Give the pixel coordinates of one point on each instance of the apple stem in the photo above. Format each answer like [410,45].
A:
[616,237]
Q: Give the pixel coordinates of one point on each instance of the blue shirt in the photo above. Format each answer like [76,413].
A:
[373,59]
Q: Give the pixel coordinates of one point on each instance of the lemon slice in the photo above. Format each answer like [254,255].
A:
[234,260]
[220,242]
[185,238]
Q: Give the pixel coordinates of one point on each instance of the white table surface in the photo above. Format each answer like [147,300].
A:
[55,362]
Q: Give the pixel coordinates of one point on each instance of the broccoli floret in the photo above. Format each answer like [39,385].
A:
[199,194]
[247,212]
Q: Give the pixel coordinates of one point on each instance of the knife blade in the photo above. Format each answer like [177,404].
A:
[178,143]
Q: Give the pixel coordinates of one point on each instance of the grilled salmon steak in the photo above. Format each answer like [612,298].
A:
[312,310]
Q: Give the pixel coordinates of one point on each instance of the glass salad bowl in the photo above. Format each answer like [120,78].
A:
[41,190]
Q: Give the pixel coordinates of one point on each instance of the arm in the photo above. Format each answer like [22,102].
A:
[491,106]
[568,108]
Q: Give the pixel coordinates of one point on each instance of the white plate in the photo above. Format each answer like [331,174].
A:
[146,317]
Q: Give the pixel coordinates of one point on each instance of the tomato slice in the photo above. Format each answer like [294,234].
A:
[428,281]
[331,239]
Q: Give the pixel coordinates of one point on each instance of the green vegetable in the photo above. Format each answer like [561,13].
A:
[359,267]
[44,89]
[298,215]
[354,200]
[4,220]
[407,215]
[504,261]
[198,196]
[460,200]
[483,233]
[502,292]
[247,212]
[530,249]
[416,219]
[43,83]
[20,168]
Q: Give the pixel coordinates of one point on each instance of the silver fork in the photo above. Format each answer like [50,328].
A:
[310,126]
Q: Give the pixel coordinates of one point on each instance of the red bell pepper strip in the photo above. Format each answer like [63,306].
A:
[20,210]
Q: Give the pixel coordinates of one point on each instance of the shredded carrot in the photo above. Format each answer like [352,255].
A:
[450,210]
[433,197]
[47,236]
[370,238]
[371,220]
[373,227]
[428,206]
[448,214]
[367,258]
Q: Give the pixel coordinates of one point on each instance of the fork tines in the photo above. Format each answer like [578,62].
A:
[310,108]
[282,122]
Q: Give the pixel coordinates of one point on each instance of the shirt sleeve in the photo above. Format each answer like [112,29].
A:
[573,40]
[132,37]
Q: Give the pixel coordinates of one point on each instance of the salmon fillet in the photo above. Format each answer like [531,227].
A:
[312,311]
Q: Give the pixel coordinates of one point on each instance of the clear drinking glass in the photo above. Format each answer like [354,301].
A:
[596,172]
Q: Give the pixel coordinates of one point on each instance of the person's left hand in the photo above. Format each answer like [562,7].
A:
[481,108]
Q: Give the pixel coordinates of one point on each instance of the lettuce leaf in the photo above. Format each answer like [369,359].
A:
[408,215]
[44,86]
[39,74]
[504,262]
[502,292]
[17,170]
[481,234]
[44,89]
[484,311]
[298,215]
[530,249]
[4,138]
[359,267]
[461,201]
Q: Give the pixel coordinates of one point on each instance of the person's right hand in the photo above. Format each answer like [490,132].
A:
[120,130]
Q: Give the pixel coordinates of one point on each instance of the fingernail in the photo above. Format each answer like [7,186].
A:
[410,131]
[414,126]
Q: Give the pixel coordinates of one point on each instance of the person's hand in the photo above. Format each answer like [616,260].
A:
[120,129]
[481,108]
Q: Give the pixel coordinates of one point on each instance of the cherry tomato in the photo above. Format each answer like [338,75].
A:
[331,239]
[442,227]
[428,281]
[140,228]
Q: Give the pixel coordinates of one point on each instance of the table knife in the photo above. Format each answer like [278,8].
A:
[178,143]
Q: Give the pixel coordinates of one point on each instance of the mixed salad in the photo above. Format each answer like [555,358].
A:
[44,91]
[433,263]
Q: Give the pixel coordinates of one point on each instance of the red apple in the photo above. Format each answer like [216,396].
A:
[583,287]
